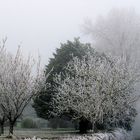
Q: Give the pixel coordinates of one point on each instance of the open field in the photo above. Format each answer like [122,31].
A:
[55,135]
[41,133]
[46,134]
[58,134]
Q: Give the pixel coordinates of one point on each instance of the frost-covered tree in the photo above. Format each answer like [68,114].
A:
[61,57]
[3,118]
[97,89]
[118,33]
[20,81]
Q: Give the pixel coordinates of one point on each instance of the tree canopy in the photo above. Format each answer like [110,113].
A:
[97,89]
[117,33]
[19,83]
[61,57]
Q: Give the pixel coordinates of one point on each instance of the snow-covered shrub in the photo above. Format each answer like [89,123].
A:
[118,134]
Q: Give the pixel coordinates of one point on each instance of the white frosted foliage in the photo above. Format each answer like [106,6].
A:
[96,87]
[20,80]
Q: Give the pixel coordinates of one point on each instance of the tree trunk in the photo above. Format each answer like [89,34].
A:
[2,128]
[84,126]
[11,128]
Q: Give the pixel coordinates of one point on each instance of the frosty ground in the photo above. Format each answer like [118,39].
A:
[61,134]
[41,133]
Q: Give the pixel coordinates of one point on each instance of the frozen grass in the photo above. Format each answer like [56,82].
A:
[118,134]
[41,133]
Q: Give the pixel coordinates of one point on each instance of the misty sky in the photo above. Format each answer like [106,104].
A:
[43,24]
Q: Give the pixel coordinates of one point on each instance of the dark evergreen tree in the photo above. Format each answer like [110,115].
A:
[63,55]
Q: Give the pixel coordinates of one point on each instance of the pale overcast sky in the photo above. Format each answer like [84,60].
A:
[43,24]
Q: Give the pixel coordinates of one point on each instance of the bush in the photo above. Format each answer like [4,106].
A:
[28,123]
[60,123]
